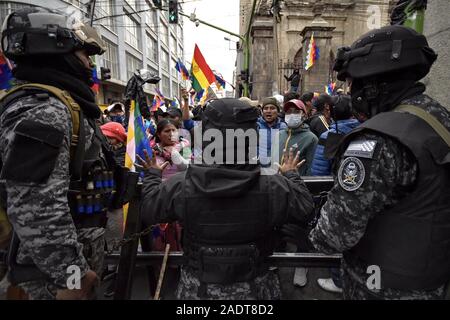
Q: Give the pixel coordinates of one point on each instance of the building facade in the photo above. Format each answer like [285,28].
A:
[281,31]
[136,37]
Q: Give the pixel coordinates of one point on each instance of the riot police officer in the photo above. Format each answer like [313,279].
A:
[56,169]
[228,209]
[389,209]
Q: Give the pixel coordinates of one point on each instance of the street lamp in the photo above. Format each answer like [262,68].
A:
[229,43]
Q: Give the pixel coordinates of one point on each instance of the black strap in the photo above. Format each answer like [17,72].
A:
[76,163]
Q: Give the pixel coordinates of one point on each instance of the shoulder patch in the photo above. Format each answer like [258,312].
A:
[351,174]
[361,148]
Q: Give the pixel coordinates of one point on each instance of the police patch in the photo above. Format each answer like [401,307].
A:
[351,174]
[361,148]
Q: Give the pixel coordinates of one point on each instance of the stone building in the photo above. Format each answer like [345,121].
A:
[281,32]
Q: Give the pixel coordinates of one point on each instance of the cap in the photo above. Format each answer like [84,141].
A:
[174,112]
[114,130]
[298,104]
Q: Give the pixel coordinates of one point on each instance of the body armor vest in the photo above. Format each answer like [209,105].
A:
[410,242]
[91,172]
[227,239]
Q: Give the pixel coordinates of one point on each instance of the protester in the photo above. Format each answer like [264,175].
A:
[116,113]
[298,135]
[117,138]
[344,122]
[321,120]
[294,78]
[268,125]
[307,99]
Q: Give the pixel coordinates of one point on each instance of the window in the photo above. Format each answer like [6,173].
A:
[173,44]
[164,60]
[165,86]
[110,60]
[165,5]
[133,64]
[180,33]
[106,10]
[164,33]
[180,51]
[172,67]
[175,91]
[151,19]
[152,48]
[8,7]
[132,32]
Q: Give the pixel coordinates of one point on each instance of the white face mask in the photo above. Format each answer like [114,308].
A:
[293,120]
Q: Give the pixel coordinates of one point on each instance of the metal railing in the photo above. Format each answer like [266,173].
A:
[129,258]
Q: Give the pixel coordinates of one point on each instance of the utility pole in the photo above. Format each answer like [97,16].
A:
[275,12]
[92,4]
[247,50]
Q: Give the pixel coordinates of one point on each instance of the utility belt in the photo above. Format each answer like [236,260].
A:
[227,264]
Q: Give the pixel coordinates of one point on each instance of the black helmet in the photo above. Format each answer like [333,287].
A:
[221,115]
[229,113]
[40,31]
[384,51]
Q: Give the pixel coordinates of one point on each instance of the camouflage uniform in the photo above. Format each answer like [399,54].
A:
[266,287]
[40,213]
[346,214]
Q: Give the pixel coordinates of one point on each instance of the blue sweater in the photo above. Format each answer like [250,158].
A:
[320,165]
[265,145]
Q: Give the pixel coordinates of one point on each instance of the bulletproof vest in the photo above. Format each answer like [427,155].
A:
[91,173]
[410,242]
[226,239]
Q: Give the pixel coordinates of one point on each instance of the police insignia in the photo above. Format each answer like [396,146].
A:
[361,148]
[351,174]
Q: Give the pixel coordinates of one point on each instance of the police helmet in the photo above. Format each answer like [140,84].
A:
[39,31]
[229,113]
[391,49]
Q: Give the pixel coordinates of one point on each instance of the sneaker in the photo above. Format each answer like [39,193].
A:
[328,285]
[300,277]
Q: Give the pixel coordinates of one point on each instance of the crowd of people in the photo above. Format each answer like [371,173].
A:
[297,122]
[386,143]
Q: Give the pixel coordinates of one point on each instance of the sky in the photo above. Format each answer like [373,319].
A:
[215,49]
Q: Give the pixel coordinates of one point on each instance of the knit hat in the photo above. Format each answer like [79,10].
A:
[271,100]
[114,130]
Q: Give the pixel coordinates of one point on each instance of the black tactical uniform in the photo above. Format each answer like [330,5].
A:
[229,213]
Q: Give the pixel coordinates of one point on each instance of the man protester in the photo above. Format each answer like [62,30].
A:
[268,124]
[294,78]
[229,211]
[321,120]
[52,155]
[307,99]
[389,209]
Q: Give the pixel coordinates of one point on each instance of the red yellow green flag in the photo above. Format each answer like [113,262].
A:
[202,76]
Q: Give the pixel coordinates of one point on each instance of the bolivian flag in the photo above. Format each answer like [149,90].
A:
[201,74]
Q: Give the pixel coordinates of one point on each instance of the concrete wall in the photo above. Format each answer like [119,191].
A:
[437,31]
